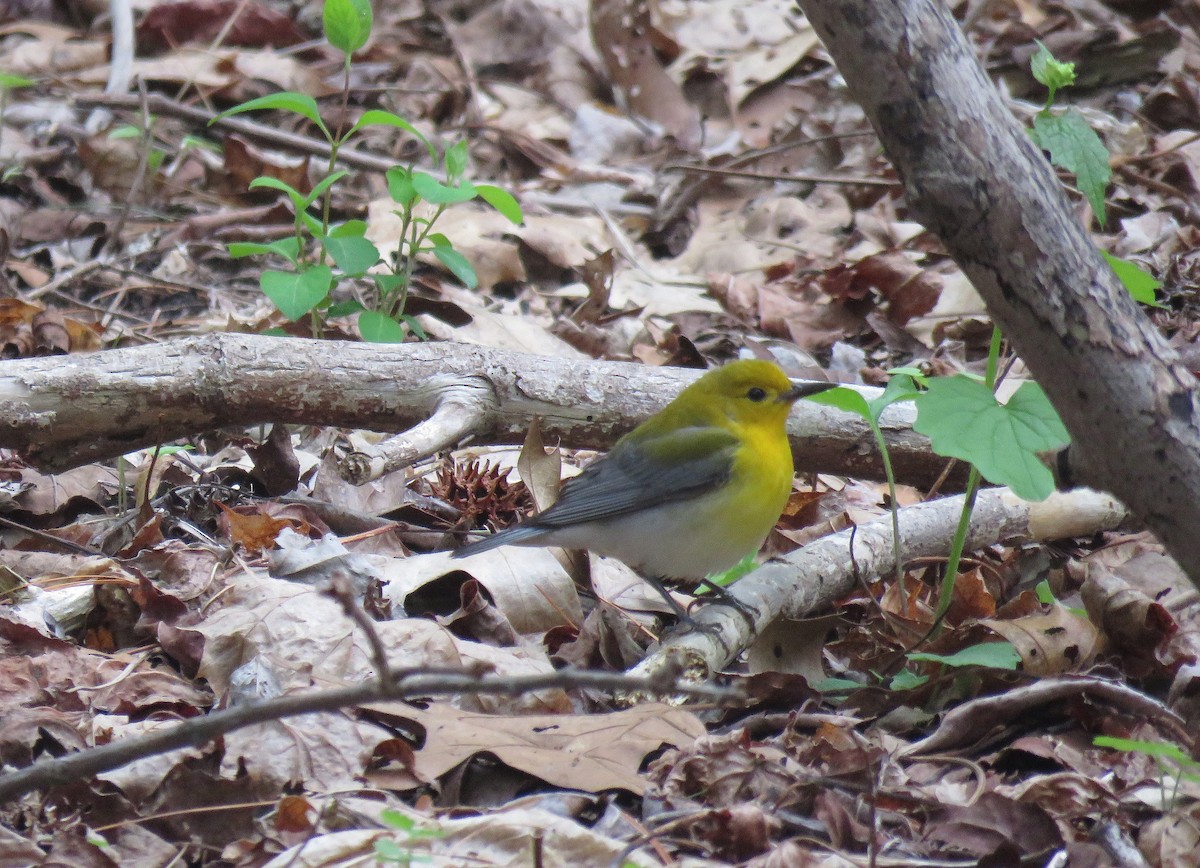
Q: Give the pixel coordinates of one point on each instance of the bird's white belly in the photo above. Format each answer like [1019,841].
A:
[686,540]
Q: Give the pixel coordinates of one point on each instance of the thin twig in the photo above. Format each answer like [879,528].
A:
[162,105]
[341,591]
[139,174]
[407,684]
[779,176]
[64,278]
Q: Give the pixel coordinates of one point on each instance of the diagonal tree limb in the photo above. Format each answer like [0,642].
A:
[973,176]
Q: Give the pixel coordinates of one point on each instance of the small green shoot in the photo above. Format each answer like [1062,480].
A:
[1067,136]
[343,254]
[901,387]
[1173,762]
[401,851]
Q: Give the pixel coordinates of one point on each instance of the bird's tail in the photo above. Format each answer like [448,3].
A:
[520,535]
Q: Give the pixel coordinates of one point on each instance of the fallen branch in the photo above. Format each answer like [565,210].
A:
[406,685]
[161,105]
[66,411]
[816,576]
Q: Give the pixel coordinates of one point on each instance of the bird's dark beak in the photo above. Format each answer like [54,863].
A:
[803,390]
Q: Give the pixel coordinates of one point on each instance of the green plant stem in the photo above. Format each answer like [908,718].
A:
[890,475]
[946,596]
[957,545]
[405,260]
[401,265]
[993,362]
[334,145]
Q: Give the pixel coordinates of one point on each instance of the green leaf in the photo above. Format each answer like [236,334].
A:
[194,141]
[172,450]
[9,81]
[503,201]
[125,131]
[288,248]
[299,200]
[376,328]
[1074,146]
[842,398]
[397,820]
[907,680]
[916,374]
[414,327]
[324,184]
[1138,282]
[349,229]
[388,283]
[313,224]
[297,103]
[347,24]
[1150,748]
[836,685]
[242,249]
[899,388]
[354,255]
[963,419]
[344,308]
[377,118]
[387,850]
[456,160]
[1050,72]
[458,265]
[727,577]
[400,188]
[1045,595]
[432,190]
[295,294]
[994,655]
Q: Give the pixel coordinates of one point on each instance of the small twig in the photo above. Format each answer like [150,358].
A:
[162,105]
[218,40]
[70,545]
[722,171]
[139,174]
[406,684]
[341,591]
[65,278]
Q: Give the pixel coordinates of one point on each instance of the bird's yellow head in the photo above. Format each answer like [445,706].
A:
[749,393]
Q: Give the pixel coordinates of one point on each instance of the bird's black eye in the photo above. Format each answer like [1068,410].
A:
[756,394]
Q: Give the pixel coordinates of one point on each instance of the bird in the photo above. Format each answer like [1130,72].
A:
[689,492]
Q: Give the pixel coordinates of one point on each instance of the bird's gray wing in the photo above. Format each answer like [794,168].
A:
[644,473]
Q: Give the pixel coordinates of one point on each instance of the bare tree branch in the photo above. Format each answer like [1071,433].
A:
[65,411]
[974,176]
[407,684]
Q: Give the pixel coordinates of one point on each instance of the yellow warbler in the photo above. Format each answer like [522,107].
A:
[689,492]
